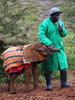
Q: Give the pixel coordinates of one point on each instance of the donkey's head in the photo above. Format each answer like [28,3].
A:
[37,52]
[44,50]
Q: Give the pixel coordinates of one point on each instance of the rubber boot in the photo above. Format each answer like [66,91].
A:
[35,75]
[48,82]
[63,77]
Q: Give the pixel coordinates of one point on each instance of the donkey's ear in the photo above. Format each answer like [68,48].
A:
[40,47]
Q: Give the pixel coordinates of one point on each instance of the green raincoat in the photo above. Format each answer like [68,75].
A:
[49,34]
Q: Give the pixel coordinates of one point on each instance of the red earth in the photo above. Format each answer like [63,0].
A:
[40,94]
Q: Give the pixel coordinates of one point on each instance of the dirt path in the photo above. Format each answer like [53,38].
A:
[39,94]
[46,5]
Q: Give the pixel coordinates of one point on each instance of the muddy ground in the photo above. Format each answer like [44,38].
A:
[40,94]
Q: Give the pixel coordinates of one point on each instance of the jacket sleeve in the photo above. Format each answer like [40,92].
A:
[42,35]
[64,32]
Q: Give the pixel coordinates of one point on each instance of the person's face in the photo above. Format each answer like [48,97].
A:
[55,17]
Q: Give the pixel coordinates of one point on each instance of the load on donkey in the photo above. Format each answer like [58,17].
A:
[17,59]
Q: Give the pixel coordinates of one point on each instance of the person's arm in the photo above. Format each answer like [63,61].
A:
[62,29]
[44,39]
[42,35]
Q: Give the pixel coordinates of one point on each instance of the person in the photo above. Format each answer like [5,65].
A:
[51,31]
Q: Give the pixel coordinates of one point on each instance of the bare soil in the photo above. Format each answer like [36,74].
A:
[40,94]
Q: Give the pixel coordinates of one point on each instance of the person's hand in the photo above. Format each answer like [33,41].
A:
[51,47]
[60,27]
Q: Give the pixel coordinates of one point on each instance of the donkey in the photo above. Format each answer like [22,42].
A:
[32,54]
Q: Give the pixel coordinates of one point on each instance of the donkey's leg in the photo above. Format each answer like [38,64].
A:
[28,79]
[12,79]
[35,75]
[8,82]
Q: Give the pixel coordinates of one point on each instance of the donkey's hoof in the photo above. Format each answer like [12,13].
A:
[12,92]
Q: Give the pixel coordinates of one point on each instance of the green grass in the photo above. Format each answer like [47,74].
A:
[69,43]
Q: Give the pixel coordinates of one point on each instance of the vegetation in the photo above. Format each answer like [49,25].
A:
[19,21]
[69,41]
